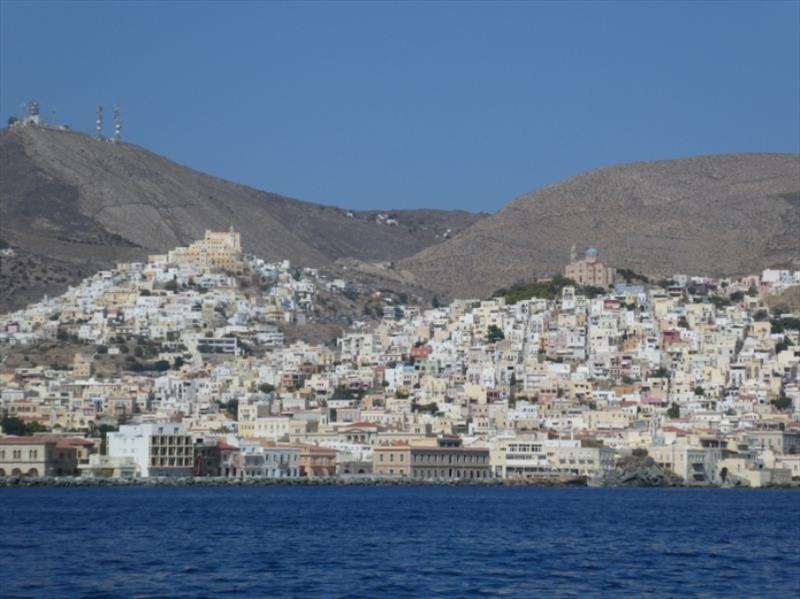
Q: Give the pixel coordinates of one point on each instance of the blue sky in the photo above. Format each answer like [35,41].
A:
[399,105]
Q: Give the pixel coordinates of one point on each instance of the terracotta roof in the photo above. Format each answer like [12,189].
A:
[74,441]
[28,441]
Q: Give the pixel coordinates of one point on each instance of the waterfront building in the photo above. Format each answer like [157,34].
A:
[158,448]
[37,456]
[443,457]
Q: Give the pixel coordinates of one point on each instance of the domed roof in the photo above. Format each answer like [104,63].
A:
[591,252]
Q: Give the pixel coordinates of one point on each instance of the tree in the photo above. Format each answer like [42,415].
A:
[12,425]
[629,275]
[674,411]
[543,289]
[494,334]
[719,301]
[231,408]
[782,403]
[430,408]
[699,391]
[779,325]
[266,388]
[103,430]
[161,365]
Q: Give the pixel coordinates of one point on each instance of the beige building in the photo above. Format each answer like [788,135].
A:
[81,366]
[317,461]
[216,251]
[442,458]
[589,271]
[267,427]
[693,464]
[36,456]
[754,475]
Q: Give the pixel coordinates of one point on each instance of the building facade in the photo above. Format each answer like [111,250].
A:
[159,448]
[445,458]
[589,271]
[34,457]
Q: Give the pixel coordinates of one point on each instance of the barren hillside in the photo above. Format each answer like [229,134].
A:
[715,214]
[81,204]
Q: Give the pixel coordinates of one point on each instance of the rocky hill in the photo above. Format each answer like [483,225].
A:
[717,215]
[71,204]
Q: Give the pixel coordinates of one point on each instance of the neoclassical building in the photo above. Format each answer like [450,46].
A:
[589,271]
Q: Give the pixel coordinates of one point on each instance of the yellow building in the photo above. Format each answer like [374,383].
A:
[217,250]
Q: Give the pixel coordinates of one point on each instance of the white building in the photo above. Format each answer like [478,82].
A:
[158,448]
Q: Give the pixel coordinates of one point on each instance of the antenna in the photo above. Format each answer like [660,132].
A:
[99,121]
[117,125]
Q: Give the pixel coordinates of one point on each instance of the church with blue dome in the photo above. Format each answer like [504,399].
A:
[589,270]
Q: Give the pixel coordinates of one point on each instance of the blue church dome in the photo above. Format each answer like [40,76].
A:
[591,252]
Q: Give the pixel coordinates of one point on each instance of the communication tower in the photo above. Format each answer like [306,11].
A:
[117,125]
[99,122]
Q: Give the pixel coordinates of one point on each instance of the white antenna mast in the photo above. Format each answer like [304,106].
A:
[99,122]
[117,125]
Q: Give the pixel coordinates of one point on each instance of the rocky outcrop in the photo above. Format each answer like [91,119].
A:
[636,471]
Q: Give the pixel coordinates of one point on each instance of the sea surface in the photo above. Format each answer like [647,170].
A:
[398,542]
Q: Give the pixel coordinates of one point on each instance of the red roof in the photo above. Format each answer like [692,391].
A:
[27,441]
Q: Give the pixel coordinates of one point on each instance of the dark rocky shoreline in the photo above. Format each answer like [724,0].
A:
[627,481]
[331,481]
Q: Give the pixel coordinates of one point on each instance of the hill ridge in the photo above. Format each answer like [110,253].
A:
[716,214]
[79,204]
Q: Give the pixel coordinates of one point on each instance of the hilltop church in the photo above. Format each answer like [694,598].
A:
[589,271]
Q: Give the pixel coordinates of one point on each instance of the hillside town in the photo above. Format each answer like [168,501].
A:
[180,367]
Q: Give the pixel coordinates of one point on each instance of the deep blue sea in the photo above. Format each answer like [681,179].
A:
[398,542]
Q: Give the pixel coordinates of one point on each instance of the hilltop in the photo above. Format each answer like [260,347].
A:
[72,204]
[715,215]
